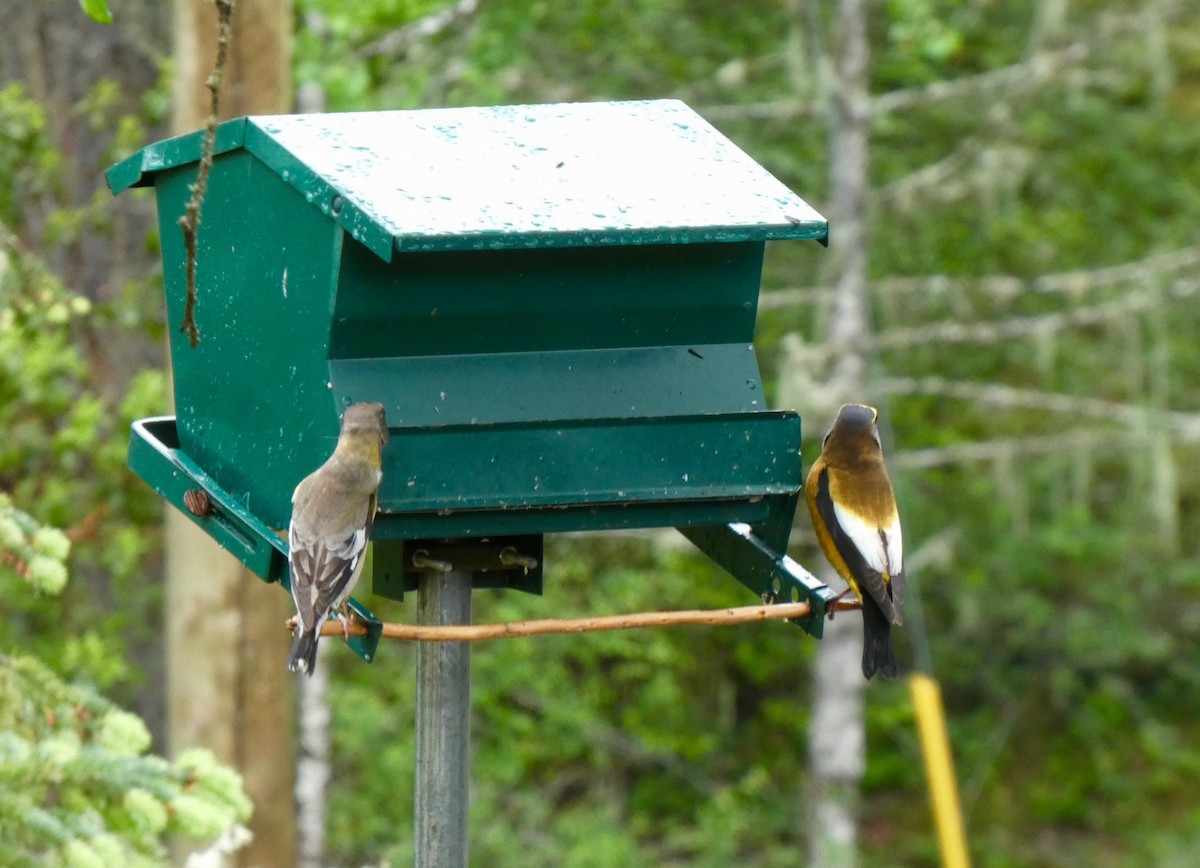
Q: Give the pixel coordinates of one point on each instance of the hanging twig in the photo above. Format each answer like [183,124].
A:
[511,629]
[190,221]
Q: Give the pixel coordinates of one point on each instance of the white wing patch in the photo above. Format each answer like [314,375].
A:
[881,548]
[894,546]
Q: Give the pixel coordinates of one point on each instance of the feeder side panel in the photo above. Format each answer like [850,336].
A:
[563,385]
[610,461]
[254,407]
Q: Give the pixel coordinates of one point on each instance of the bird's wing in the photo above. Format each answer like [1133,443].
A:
[322,574]
[871,551]
[880,544]
[324,571]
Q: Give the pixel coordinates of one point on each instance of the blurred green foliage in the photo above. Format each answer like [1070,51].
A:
[63,451]
[97,10]
[77,786]
[637,747]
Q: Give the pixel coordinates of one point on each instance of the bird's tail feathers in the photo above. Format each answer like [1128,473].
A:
[303,657]
[878,655]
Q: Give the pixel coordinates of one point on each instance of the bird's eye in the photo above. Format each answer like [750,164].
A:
[825,442]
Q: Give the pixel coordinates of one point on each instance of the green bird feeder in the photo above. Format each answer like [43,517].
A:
[554,303]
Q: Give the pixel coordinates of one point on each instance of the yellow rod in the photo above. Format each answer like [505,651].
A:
[939,770]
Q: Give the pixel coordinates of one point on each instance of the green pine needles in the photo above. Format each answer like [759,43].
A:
[34,553]
[78,787]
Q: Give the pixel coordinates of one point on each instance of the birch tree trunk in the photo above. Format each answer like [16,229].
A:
[228,688]
[837,740]
[313,763]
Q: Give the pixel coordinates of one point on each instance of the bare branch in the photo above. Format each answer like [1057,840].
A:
[1015,327]
[770,110]
[1005,286]
[1184,425]
[933,175]
[1128,272]
[1060,65]
[400,40]
[1027,74]
[512,629]
[987,451]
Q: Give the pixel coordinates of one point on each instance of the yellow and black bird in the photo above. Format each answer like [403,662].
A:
[854,514]
[333,511]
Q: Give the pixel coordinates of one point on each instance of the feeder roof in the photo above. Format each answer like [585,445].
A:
[575,174]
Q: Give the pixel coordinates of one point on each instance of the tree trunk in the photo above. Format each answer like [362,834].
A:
[313,765]
[837,740]
[228,687]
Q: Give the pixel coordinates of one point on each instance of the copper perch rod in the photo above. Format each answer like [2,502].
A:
[476,632]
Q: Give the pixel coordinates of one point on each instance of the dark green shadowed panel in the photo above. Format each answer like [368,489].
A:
[501,301]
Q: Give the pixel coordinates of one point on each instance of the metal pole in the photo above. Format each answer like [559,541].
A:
[443,724]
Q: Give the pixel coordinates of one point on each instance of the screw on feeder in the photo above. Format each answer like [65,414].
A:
[510,557]
[422,561]
[198,503]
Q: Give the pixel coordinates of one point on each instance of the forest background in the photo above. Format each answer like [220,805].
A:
[1034,190]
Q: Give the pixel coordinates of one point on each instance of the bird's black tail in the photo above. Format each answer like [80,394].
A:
[303,657]
[878,655]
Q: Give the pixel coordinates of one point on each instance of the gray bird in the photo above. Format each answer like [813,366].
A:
[333,510]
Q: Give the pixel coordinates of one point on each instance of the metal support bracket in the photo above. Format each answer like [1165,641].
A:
[774,576]
[513,562]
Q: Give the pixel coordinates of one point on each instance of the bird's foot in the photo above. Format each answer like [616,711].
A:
[292,623]
[345,616]
[831,606]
